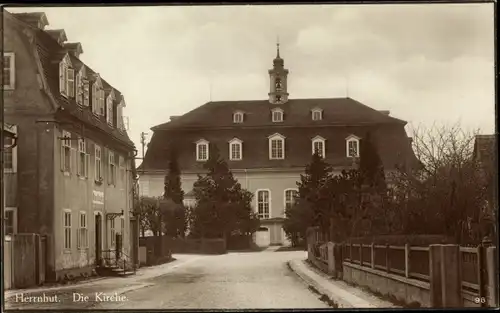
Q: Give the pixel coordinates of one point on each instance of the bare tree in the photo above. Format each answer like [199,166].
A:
[445,194]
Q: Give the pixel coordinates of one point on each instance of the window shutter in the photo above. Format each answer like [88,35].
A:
[73,158]
[62,83]
[85,93]
[61,141]
[71,82]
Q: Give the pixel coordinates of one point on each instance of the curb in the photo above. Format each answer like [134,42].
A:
[340,297]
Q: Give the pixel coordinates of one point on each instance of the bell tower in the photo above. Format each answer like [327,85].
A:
[278,80]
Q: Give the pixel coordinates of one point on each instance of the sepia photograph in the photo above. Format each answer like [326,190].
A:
[249,156]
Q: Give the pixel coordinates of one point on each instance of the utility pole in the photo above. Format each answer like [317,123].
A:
[143,143]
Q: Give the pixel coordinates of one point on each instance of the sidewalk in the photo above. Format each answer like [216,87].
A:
[142,274]
[338,291]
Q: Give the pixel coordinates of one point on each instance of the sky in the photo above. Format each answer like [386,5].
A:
[426,63]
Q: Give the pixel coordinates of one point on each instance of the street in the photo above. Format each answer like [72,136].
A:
[240,280]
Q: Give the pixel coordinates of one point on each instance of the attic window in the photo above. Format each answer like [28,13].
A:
[276,147]
[317,114]
[238,117]
[352,146]
[66,77]
[277,115]
[109,110]
[235,149]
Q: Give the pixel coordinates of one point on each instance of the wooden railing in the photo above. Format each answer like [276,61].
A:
[123,261]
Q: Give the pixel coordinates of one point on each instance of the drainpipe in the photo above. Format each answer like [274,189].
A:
[246,179]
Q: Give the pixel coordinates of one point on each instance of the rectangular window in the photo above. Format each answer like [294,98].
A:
[82,158]
[101,102]
[79,89]
[290,196]
[86,92]
[235,151]
[202,152]
[95,99]
[97,164]
[9,70]
[63,78]
[316,115]
[119,117]
[112,232]
[109,106]
[121,164]
[112,169]
[82,239]
[263,204]
[8,155]
[66,152]
[352,148]
[71,83]
[277,116]
[67,230]
[276,149]
[318,148]
[10,221]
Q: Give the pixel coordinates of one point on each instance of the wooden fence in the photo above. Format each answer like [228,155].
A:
[413,265]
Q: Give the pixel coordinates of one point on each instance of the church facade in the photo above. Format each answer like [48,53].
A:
[267,144]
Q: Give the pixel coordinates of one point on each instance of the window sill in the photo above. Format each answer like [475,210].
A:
[9,170]
[111,185]
[235,159]
[67,251]
[98,182]
[83,249]
[82,177]
[67,174]
[201,160]
[8,87]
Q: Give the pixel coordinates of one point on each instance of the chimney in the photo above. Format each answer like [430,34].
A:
[35,19]
[386,112]
[74,48]
[58,34]
[174,117]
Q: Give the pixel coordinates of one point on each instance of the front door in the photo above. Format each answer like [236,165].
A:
[98,239]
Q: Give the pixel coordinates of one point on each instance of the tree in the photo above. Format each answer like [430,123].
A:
[222,206]
[174,215]
[445,195]
[149,208]
[311,208]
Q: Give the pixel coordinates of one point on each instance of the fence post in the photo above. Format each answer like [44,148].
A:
[361,254]
[331,259]
[435,275]
[481,271]
[407,260]
[373,254]
[350,252]
[491,268]
[387,258]
[451,279]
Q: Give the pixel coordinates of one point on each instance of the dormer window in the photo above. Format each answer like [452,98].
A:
[202,150]
[318,146]
[317,114]
[66,77]
[235,149]
[276,147]
[238,117]
[277,115]
[352,146]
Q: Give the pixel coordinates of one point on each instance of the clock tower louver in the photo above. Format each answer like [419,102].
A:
[278,80]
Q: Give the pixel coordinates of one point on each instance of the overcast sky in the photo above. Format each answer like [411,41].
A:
[425,63]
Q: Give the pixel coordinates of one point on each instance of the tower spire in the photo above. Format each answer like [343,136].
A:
[278,47]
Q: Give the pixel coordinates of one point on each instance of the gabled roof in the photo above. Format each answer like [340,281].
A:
[50,52]
[336,111]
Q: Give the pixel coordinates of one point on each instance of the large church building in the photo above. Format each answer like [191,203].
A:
[268,142]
